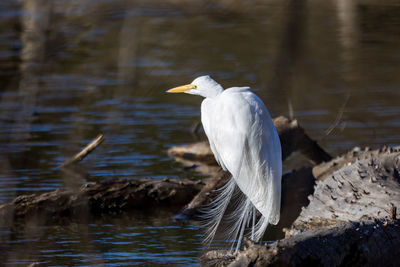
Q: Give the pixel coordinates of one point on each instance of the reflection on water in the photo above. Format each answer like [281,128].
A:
[70,70]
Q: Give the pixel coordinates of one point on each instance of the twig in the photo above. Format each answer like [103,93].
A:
[195,129]
[84,152]
[290,107]
[393,212]
[338,117]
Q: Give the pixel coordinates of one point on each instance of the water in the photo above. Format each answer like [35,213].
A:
[113,242]
[70,70]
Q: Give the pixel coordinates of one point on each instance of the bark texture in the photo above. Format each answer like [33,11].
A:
[100,198]
[366,187]
[347,244]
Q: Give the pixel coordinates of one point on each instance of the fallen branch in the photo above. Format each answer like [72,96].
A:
[84,152]
[111,197]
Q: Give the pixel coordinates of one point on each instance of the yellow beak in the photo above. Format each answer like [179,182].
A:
[182,89]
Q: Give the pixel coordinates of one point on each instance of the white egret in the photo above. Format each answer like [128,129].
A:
[245,142]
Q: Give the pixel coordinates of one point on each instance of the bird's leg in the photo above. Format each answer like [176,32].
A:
[254,223]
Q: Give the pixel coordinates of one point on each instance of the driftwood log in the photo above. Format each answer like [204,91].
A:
[99,198]
[366,187]
[351,219]
[346,244]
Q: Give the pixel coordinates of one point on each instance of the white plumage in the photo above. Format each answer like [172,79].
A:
[244,141]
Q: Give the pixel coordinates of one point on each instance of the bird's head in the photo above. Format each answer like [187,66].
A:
[203,86]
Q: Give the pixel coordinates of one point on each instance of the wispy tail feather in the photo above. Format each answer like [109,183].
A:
[213,213]
[242,215]
[259,228]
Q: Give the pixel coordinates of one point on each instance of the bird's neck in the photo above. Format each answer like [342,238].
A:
[213,92]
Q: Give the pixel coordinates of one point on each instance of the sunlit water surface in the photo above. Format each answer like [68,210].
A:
[70,70]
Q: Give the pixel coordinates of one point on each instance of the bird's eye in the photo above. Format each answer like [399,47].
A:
[194,86]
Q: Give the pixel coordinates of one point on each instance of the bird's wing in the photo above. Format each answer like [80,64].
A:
[245,142]
[208,120]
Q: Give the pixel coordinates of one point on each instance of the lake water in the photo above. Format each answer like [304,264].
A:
[70,70]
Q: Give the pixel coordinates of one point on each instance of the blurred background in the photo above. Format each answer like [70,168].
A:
[70,70]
